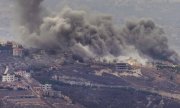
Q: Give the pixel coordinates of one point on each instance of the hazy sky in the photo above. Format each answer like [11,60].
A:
[163,12]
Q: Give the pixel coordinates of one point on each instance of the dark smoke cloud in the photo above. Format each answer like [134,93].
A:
[69,30]
[29,13]
[149,39]
[89,35]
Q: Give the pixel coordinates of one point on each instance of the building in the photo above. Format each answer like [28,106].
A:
[6,48]
[17,50]
[11,48]
[55,77]
[23,74]
[20,73]
[8,78]
[27,75]
[122,67]
[52,93]
[46,87]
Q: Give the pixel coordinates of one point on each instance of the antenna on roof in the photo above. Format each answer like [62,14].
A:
[7,69]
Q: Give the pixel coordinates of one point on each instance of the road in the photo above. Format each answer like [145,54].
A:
[29,83]
[146,89]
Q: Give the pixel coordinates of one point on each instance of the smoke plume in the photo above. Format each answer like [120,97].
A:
[90,35]
[29,14]
[149,39]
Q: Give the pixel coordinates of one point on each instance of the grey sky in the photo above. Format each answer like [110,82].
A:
[163,12]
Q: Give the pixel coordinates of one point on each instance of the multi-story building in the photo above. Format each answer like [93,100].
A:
[17,50]
[6,48]
[20,73]
[46,87]
[11,48]
[122,67]
[8,78]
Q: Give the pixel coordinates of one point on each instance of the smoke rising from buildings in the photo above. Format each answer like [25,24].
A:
[89,35]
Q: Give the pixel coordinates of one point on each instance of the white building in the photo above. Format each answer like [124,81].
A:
[27,75]
[8,78]
[46,87]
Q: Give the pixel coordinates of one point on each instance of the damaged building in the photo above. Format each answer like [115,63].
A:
[128,66]
[122,67]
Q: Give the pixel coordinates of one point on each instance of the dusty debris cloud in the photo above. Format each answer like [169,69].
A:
[90,35]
